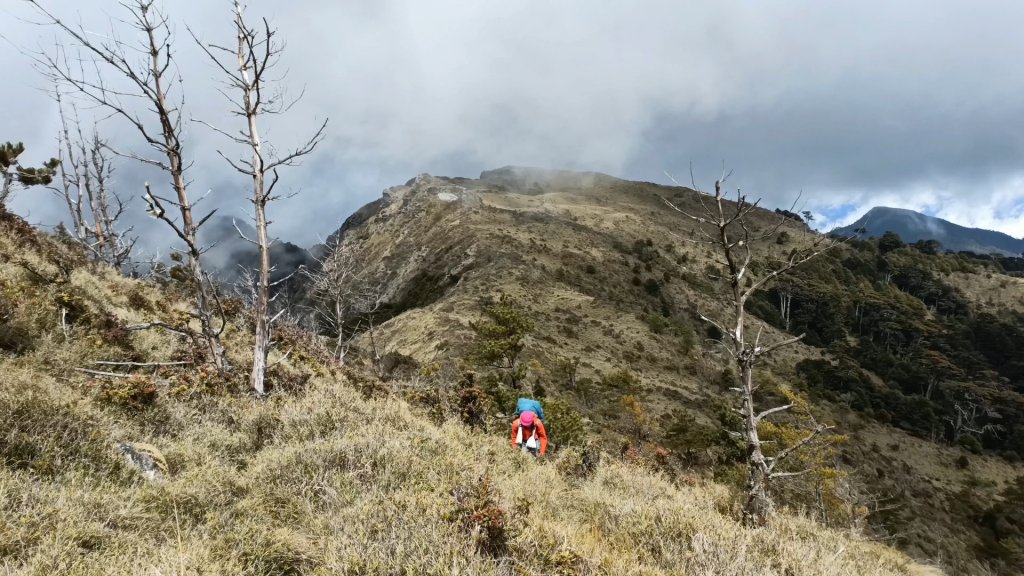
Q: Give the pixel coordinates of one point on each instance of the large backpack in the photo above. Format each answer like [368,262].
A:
[529,405]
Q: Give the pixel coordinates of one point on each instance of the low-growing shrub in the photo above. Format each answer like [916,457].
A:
[565,426]
[277,552]
[49,435]
[578,463]
[479,514]
[621,380]
[135,391]
[473,406]
[394,365]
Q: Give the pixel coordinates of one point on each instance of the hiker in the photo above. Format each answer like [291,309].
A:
[528,434]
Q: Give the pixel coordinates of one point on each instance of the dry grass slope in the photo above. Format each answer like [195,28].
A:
[329,483]
[321,480]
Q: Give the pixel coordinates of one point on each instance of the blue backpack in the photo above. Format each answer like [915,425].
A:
[529,405]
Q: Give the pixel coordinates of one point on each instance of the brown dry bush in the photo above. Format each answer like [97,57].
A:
[135,392]
[480,515]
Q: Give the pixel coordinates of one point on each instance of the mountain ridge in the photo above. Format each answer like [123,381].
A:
[615,278]
[914,226]
[176,469]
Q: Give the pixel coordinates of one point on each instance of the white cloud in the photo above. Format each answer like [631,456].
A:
[994,205]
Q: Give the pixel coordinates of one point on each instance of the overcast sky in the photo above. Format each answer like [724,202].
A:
[914,104]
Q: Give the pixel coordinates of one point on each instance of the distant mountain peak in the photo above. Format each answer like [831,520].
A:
[913,226]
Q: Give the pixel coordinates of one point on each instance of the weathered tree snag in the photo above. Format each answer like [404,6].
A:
[256,53]
[729,229]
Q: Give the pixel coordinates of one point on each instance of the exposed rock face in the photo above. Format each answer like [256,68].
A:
[147,458]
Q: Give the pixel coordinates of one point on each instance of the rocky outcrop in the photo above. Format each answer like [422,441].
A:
[147,458]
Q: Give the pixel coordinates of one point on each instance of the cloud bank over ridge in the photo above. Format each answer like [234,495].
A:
[912,105]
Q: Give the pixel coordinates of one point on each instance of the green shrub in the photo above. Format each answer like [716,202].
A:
[969,443]
[202,382]
[135,391]
[579,463]
[621,380]
[565,426]
[72,304]
[14,335]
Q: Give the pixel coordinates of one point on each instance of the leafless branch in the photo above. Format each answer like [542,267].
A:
[142,364]
[102,373]
[761,416]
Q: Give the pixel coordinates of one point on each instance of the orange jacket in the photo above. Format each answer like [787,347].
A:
[542,435]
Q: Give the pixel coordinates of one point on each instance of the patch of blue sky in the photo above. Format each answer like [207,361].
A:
[840,212]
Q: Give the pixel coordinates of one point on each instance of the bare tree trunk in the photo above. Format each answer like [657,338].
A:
[72,179]
[85,172]
[261,348]
[785,304]
[256,53]
[734,237]
[340,295]
[190,230]
[758,506]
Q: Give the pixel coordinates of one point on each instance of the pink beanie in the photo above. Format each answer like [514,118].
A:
[526,419]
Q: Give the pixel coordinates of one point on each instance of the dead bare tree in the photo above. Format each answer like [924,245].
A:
[379,349]
[337,293]
[85,173]
[785,304]
[728,227]
[969,411]
[248,72]
[148,71]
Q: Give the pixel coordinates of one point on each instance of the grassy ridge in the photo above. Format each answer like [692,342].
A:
[316,480]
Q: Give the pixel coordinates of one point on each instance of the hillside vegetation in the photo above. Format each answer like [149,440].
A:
[333,473]
[908,351]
